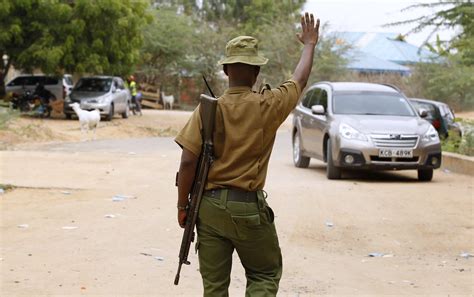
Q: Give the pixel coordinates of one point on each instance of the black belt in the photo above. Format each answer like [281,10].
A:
[233,195]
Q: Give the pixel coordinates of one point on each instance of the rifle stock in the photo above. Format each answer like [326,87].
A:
[207,110]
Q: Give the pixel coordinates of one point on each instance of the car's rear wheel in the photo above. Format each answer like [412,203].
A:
[298,158]
[110,116]
[425,174]
[127,111]
[332,172]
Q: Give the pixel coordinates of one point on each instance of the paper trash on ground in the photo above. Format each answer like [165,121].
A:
[69,227]
[118,198]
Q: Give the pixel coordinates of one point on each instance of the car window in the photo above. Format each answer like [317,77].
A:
[68,80]
[33,80]
[371,103]
[430,108]
[119,84]
[323,99]
[311,98]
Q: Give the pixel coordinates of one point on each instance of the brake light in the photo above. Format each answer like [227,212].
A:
[436,124]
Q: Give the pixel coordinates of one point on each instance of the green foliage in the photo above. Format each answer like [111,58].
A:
[451,82]
[104,37]
[197,41]
[461,145]
[74,36]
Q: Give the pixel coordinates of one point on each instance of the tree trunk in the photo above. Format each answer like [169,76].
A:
[3,75]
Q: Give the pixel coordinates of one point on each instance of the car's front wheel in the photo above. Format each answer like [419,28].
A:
[332,172]
[126,113]
[425,174]
[298,158]
[110,116]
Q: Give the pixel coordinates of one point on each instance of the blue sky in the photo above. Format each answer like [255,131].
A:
[370,15]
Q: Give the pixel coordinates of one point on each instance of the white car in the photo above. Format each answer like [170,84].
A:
[60,87]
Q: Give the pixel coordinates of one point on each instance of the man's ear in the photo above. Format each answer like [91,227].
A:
[225,70]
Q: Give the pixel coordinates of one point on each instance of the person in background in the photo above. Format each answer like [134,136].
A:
[135,100]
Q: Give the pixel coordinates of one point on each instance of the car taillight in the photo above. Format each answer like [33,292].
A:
[436,124]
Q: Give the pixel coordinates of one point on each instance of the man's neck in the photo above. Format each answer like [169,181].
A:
[233,84]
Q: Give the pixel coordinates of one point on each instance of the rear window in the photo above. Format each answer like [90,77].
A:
[33,80]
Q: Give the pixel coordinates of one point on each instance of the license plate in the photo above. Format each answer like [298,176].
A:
[396,153]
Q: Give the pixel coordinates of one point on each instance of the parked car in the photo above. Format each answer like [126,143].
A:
[439,115]
[363,126]
[60,87]
[105,93]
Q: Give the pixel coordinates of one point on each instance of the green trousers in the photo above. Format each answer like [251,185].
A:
[249,229]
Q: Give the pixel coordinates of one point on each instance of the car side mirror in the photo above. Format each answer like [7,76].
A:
[318,109]
[423,113]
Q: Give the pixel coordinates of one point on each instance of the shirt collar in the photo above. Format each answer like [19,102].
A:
[237,90]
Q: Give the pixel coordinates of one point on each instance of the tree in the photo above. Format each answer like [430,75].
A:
[30,33]
[449,14]
[73,36]
[104,36]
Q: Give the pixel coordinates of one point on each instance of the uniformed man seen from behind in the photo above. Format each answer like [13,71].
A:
[234,213]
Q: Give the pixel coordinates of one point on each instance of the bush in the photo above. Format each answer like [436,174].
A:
[465,145]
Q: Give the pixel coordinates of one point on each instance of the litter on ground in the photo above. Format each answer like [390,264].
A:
[376,255]
[118,198]
[69,227]
[23,226]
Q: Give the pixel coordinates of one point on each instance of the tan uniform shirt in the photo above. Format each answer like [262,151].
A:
[245,130]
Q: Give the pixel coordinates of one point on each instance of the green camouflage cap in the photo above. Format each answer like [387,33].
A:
[243,49]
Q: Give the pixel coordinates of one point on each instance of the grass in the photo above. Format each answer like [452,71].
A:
[6,115]
[7,187]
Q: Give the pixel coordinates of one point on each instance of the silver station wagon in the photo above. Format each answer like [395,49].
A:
[104,93]
[363,126]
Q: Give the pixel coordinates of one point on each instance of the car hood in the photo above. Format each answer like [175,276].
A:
[86,95]
[375,124]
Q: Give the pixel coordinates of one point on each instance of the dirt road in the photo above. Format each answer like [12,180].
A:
[63,235]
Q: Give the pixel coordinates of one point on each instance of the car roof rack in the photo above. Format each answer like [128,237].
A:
[392,86]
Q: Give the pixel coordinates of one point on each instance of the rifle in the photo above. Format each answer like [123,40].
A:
[208,113]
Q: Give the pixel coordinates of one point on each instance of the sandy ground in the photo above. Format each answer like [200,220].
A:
[63,235]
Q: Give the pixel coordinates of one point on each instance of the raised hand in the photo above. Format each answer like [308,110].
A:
[309,31]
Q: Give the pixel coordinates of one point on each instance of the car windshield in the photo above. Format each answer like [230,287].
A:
[371,103]
[94,85]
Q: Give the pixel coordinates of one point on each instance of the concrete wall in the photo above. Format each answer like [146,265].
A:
[458,163]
